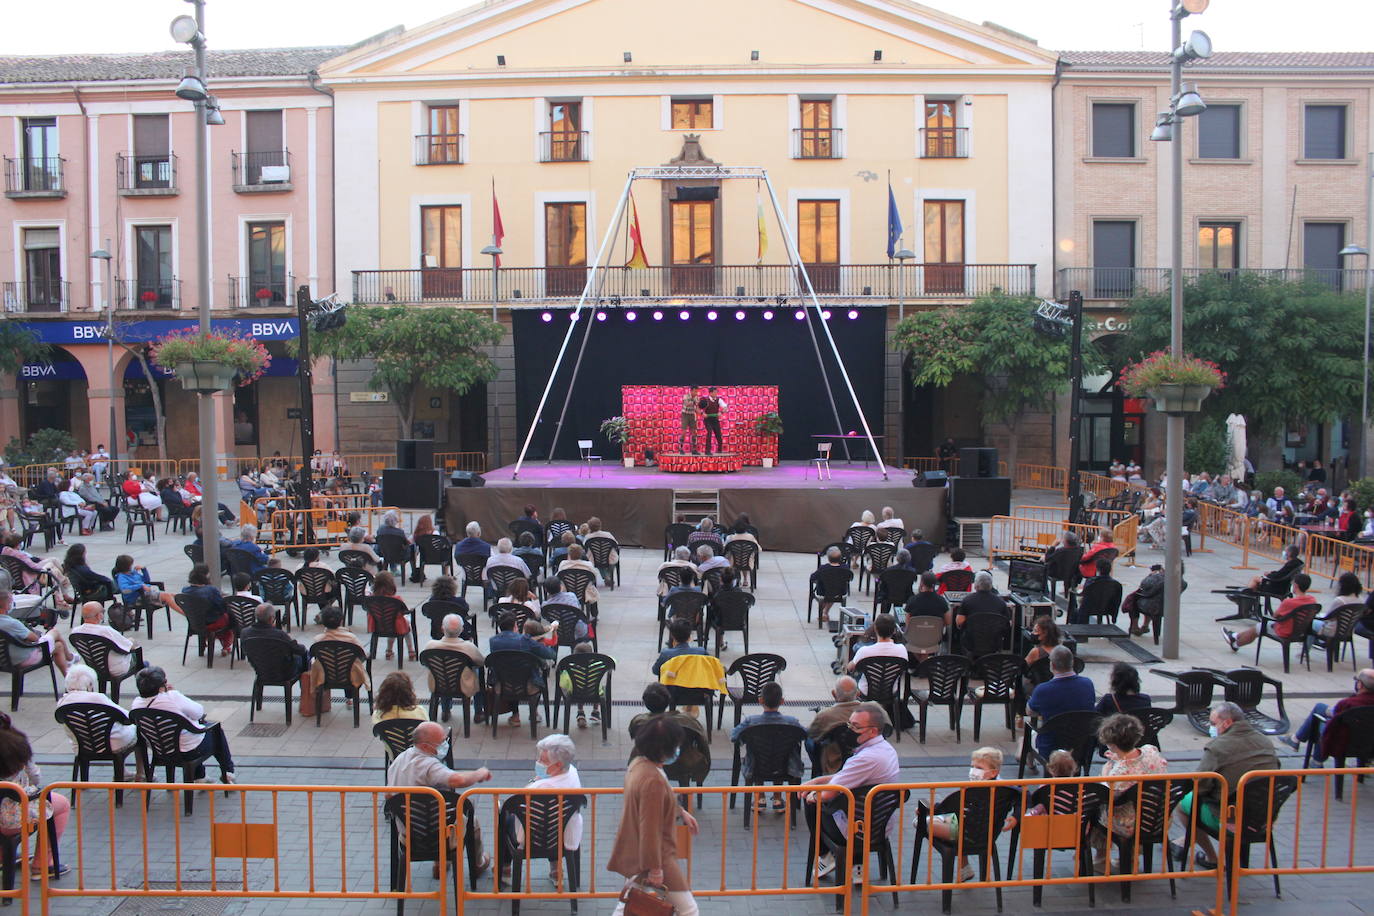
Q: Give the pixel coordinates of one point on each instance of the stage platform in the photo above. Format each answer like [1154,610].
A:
[791,508]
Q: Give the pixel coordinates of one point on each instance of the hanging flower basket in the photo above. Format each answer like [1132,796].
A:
[263,293]
[210,362]
[1177,384]
[1178,399]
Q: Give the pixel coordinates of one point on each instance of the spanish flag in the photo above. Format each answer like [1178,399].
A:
[763,230]
[637,257]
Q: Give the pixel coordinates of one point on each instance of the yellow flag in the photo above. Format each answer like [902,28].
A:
[763,231]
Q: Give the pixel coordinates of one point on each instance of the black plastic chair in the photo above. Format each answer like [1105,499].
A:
[336,659]
[894,587]
[499,578]
[1080,802]
[674,536]
[313,586]
[578,581]
[1259,811]
[688,605]
[417,830]
[599,551]
[589,683]
[946,684]
[1245,687]
[521,611]
[239,562]
[1075,732]
[1061,566]
[565,619]
[198,612]
[744,559]
[1152,802]
[886,683]
[395,552]
[982,811]
[828,584]
[1358,724]
[543,819]
[884,805]
[1099,597]
[10,842]
[553,531]
[353,585]
[89,725]
[521,526]
[436,609]
[1302,618]
[395,736]
[955,580]
[770,749]
[1154,721]
[95,651]
[511,679]
[474,567]
[434,550]
[1001,675]
[278,587]
[755,671]
[242,615]
[858,537]
[136,517]
[922,556]
[355,559]
[159,745]
[728,611]
[1193,694]
[274,665]
[985,634]
[383,614]
[1335,645]
[446,667]
[873,559]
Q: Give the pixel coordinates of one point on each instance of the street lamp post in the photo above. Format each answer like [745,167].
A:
[494,251]
[1350,251]
[906,254]
[103,254]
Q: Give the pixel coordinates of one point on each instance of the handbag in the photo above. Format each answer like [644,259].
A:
[645,900]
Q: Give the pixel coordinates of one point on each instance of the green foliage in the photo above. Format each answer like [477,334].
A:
[1207,447]
[19,345]
[1266,481]
[414,347]
[616,430]
[769,424]
[45,446]
[1289,350]
[1363,491]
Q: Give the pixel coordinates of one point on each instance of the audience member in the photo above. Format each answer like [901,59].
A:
[770,698]
[505,557]
[982,600]
[1064,692]
[695,757]
[927,602]
[82,687]
[507,640]
[331,618]
[707,560]
[264,626]
[1285,617]
[682,559]
[705,533]
[1045,636]
[154,692]
[422,764]
[17,766]
[247,544]
[680,632]
[217,619]
[452,640]
[1122,735]
[1333,735]
[1124,695]
[832,753]
[23,645]
[834,559]
[985,764]
[472,545]
[396,699]
[889,519]
[93,624]
[554,768]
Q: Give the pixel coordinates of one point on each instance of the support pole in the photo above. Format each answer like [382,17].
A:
[1173,495]
[304,376]
[205,403]
[1075,403]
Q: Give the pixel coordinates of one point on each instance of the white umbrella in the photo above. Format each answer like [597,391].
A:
[1235,428]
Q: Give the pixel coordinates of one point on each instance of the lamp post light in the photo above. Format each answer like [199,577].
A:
[103,254]
[494,252]
[904,255]
[194,88]
[1184,102]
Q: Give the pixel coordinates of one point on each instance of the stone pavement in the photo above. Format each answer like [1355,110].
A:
[336,753]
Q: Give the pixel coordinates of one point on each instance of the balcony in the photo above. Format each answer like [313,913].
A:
[30,178]
[564,146]
[262,172]
[257,292]
[156,294]
[49,296]
[944,142]
[1121,283]
[146,176]
[729,284]
[817,143]
[440,149]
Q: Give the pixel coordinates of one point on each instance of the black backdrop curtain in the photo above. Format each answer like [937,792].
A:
[698,351]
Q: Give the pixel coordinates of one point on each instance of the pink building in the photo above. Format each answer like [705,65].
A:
[99,154]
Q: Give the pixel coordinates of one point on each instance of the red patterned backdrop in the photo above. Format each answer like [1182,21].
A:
[654,413]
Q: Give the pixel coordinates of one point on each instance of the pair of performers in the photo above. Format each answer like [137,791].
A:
[710,406]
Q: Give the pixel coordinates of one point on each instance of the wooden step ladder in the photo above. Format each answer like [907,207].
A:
[693,505]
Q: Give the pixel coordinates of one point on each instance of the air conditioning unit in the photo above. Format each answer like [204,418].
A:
[276,174]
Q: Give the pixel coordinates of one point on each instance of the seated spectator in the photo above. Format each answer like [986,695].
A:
[707,560]
[396,699]
[25,650]
[82,688]
[555,593]
[452,640]
[1062,551]
[889,519]
[565,682]
[73,505]
[657,698]
[1087,566]
[1334,737]
[553,769]
[17,767]
[866,520]
[1125,695]
[530,515]
[1284,616]
[680,633]
[1045,636]
[36,571]
[507,640]
[242,584]
[357,540]
[566,541]
[846,696]
[885,628]
[504,557]
[982,600]
[957,560]
[135,584]
[264,626]
[1223,491]
[1349,591]
[154,692]
[83,579]
[93,624]
[331,618]
[472,545]
[518,592]
[384,586]
[1121,734]
[920,547]
[682,558]
[1064,692]
[984,764]
[770,698]
[834,559]
[247,544]
[705,533]
[422,764]
[873,762]
[1146,602]
[927,602]
[594,530]
[575,561]
[217,620]
[529,552]
[391,525]
[104,510]
[742,531]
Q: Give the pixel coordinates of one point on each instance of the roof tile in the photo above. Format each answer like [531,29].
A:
[162,65]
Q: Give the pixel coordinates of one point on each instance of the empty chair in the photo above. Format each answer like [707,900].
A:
[587,459]
[946,682]
[137,517]
[1245,687]
[1193,694]
[473,567]
[1001,675]
[875,557]
[925,636]
[353,583]
[821,462]
[436,609]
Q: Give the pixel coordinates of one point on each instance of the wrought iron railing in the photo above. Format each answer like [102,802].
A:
[564,146]
[147,294]
[146,173]
[817,143]
[259,292]
[262,169]
[36,296]
[944,142]
[440,149]
[34,176]
[1129,282]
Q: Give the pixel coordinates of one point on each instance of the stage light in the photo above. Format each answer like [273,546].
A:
[800,315]
[683,315]
[572,316]
[658,316]
[630,316]
[600,316]
[739,316]
[711,315]
[853,314]
[547,316]
[768,315]
[826,314]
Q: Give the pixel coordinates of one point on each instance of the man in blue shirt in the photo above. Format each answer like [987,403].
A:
[473,543]
[1065,692]
[247,543]
[507,640]
[770,698]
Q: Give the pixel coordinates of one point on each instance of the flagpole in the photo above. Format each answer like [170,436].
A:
[497,235]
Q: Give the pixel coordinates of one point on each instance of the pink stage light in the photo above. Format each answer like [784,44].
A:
[711,315]
[658,316]
[853,314]
[572,316]
[630,316]
[600,316]
[547,316]
[800,315]
[739,316]
[826,314]
[768,315]
[683,315]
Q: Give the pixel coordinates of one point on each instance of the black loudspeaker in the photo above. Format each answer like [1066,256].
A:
[979,497]
[415,454]
[411,488]
[466,479]
[977,462]
[930,479]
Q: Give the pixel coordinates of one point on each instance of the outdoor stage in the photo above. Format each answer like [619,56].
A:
[635,504]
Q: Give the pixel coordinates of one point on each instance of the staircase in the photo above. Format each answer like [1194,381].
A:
[693,505]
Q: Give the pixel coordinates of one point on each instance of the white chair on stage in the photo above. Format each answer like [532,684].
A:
[821,461]
[584,446]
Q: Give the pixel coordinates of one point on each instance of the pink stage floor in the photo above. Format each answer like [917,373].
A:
[564,474]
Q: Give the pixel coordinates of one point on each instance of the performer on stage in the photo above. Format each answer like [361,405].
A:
[711,408]
[689,421]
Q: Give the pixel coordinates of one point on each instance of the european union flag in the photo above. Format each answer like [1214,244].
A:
[894,223]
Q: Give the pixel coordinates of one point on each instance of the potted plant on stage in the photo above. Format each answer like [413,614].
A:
[617,432]
[206,363]
[769,425]
[1177,384]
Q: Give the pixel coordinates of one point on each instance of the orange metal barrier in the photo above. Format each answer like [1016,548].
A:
[23,853]
[1014,536]
[285,529]
[1041,477]
[919,464]
[264,846]
[1056,830]
[461,461]
[707,875]
[1333,849]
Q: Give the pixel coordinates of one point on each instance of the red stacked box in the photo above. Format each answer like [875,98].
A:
[654,415]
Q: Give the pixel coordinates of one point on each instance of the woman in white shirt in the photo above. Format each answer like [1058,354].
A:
[155,693]
[81,688]
[553,769]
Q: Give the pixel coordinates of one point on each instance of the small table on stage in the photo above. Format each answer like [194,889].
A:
[847,437]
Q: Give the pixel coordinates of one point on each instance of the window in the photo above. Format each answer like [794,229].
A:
[1218,246]
[942,138]
[944,246]
[42,169]
[693,227]
[43,286]
[693,114]
[265,146]
[565,248]
[817,138]
[1113,130]
[1321,252]
[152,166]
[1218,132]
[441,252]
[443,144]
[1324,132]
[1113,258]
[818,240]
[267,263]
[153,282]
[565,133]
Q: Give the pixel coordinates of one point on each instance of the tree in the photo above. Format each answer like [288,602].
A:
[1289,350]
[414,347]
[139,351]
[19,345]
[993,338]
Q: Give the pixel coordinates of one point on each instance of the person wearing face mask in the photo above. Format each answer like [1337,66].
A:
[1236,748]
[553,769]
[985,765]
[422,764]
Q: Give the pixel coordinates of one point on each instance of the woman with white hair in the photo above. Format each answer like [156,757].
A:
[357,541]
[81,688]
[553,769]
[866,520]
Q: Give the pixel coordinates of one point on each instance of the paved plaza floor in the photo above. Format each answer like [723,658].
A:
[338,754]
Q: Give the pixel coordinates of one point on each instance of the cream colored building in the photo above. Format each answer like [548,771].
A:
[553,102]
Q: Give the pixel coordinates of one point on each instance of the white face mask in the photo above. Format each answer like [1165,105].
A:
[977,773]
[442,750]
